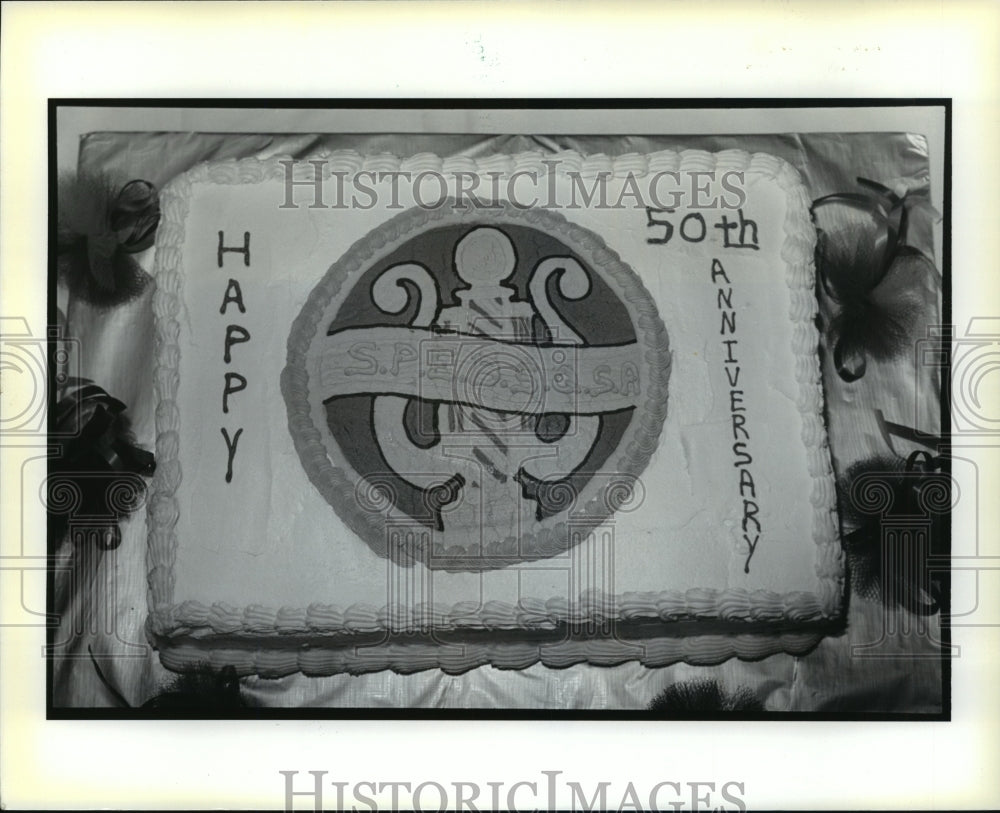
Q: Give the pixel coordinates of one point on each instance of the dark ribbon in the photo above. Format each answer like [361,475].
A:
[90,413]
[890,216]
[134,216]
[890,429]
[199,692]
[89,418]
[888,212]
[920,468]
[209,692]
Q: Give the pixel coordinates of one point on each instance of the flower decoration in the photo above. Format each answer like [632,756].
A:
[694,696]
[101,226]
[867,271]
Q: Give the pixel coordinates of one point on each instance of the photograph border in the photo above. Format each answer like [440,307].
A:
[471,104]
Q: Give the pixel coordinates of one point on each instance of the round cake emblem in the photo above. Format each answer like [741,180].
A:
[470,388]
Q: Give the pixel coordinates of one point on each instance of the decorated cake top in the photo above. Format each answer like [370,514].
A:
[606,409]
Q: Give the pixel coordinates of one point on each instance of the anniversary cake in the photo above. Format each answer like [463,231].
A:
[443,413]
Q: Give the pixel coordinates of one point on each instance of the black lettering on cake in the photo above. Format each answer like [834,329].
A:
[728,323]
[750,511]
[234,383]
[702,228]
[744,225]
[730,358]
[235,334]
[719,271]
[739,428]
[741,233]
[742,458]
[668,227]
[244,249]
[233,294]
[231,443]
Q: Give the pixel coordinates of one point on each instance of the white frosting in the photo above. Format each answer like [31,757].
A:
[266,555]
[458,658]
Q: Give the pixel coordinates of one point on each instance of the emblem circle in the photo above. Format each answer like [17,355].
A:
[567,508]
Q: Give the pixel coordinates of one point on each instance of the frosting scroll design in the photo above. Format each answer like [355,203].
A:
[488,403]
